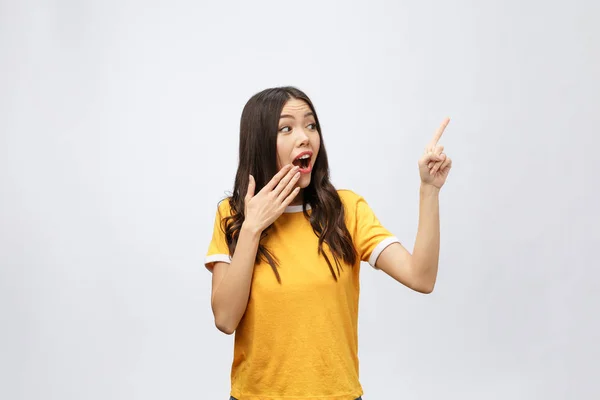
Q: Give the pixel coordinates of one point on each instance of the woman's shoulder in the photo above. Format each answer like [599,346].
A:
[348,196]
[350,199]
[224,206]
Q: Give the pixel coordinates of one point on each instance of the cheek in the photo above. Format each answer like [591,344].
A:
[316,143]
[285,148]
[279,155]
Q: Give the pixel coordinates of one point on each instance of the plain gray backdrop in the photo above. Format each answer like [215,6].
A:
[119,130]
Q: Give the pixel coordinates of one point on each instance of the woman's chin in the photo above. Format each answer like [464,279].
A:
[304,181]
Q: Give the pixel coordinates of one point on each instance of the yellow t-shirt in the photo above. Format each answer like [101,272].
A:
[298,339]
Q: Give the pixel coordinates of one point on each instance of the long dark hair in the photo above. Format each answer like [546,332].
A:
[258,156]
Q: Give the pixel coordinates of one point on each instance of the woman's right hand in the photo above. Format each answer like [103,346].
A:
[262,209]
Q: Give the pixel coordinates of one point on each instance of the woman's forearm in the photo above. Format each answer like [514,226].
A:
[231,295]
[427,244]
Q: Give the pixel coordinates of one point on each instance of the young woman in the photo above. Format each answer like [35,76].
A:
[286,250]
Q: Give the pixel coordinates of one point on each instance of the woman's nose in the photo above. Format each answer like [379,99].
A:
[302,136]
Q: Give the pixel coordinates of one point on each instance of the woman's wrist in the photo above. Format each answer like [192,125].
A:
[251,229]
[429,189]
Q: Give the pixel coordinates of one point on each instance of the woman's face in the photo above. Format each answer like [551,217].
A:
[298,140]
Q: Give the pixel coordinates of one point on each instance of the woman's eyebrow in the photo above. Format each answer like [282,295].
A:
[308,114]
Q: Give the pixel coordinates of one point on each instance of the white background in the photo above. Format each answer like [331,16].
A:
[119,129]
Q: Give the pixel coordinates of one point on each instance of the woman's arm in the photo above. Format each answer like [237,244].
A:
[419,270]
[231,283]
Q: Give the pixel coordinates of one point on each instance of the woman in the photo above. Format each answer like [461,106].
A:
[286,250]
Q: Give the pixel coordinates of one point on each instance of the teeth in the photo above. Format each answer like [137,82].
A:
[304,157]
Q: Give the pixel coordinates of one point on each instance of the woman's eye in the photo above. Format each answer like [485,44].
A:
[284,129]
[313,126]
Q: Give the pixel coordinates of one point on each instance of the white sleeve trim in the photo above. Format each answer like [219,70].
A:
[217,258]
[380,247]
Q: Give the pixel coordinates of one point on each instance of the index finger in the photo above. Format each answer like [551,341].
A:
[438,133]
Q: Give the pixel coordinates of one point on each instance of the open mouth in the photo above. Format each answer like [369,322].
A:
[302,160]
[303,163]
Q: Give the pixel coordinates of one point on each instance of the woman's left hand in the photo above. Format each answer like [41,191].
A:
[434,165]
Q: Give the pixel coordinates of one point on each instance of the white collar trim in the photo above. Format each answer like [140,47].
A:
[295,209]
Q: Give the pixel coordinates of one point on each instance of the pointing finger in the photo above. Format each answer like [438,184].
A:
[438,133]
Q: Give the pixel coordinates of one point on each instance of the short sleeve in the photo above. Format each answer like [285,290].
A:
[218,251]
[370,236]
